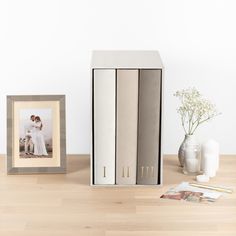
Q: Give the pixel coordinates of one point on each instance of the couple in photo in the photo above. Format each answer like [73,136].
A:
[34,140]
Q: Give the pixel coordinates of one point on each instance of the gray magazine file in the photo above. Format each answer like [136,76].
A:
[149,126]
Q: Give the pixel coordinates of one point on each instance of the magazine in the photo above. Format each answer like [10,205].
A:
[191,194]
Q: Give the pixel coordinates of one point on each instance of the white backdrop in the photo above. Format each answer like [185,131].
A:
[45,48]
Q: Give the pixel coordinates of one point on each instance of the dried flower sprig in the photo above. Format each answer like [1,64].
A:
[194,109]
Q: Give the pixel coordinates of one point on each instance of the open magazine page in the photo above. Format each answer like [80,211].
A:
[192,194]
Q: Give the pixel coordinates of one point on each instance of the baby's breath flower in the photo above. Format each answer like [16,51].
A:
[194,109]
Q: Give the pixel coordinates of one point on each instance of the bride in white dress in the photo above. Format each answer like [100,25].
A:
[39,143]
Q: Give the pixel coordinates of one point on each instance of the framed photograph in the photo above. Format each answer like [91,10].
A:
[36,134]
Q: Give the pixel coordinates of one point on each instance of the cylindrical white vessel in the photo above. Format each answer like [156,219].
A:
[209,165]
[210,157]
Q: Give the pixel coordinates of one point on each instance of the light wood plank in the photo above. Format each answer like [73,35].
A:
[65,204]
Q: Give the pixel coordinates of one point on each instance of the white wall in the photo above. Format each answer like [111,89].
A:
[45,48]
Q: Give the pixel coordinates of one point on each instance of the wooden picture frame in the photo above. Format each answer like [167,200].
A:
[36,134]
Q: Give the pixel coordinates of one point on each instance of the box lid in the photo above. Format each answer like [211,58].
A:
[126,59]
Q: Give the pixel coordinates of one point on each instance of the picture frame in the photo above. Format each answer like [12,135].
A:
[36,134]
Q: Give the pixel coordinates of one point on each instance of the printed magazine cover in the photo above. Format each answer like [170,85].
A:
[191,194]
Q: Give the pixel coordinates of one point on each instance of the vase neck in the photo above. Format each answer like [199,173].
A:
[190,139]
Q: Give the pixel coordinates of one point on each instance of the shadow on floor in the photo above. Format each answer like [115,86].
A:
[77,163]
[79,167]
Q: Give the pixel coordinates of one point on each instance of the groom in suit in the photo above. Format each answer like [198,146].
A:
[29,145]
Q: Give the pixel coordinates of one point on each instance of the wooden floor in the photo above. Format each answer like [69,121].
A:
[47,205]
